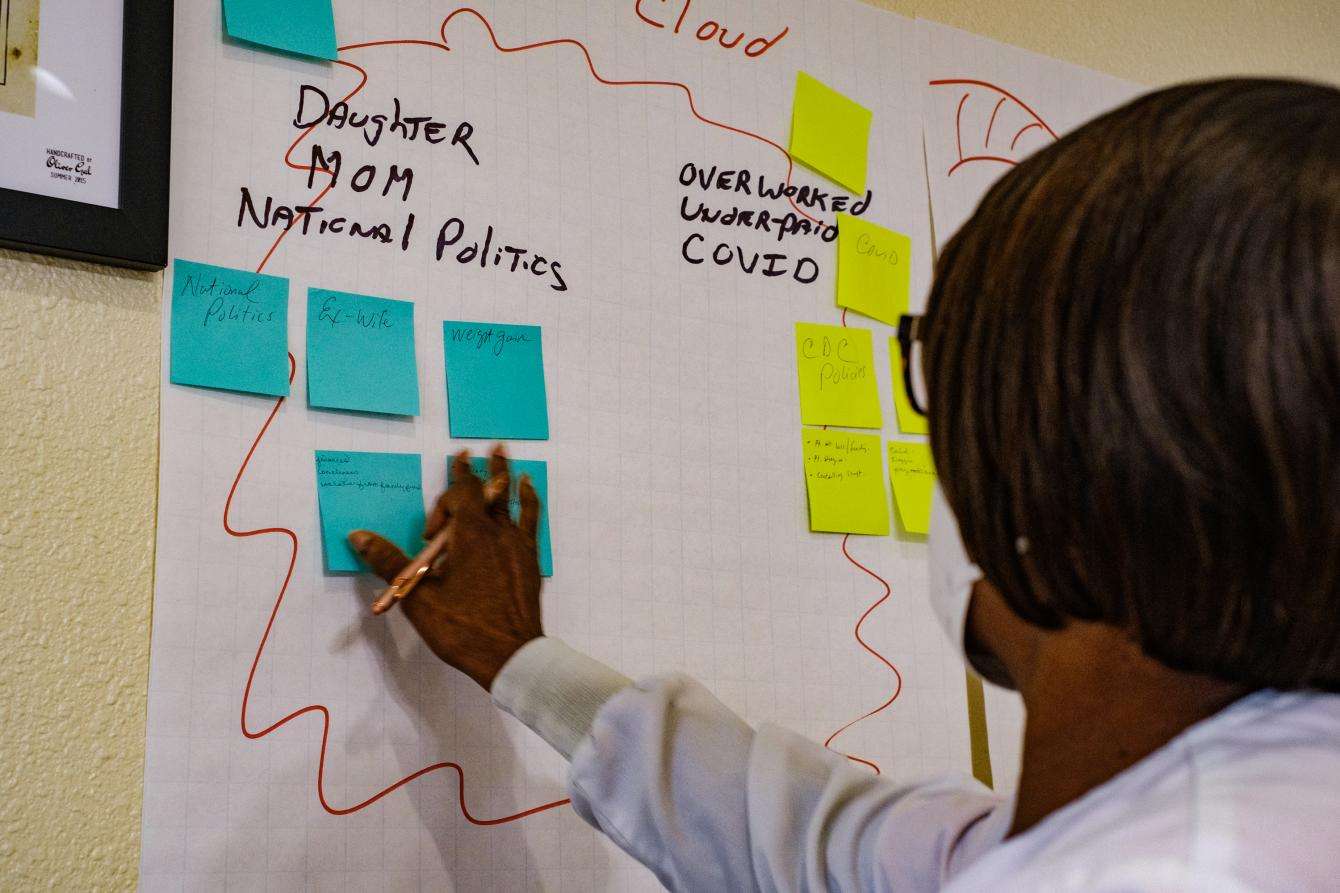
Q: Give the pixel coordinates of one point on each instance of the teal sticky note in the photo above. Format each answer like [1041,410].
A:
[381,492]
[495,381]
[539,478]
[229,329]
[301,27]
[360,353]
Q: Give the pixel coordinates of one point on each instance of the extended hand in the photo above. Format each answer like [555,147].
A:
[480,602]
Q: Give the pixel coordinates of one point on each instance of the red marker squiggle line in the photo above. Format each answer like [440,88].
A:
[293,559]
[857,631]
[591,66]
[898,689]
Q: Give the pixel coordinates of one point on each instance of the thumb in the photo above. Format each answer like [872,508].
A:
[378,553]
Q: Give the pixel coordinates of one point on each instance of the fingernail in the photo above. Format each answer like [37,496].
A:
[359,540]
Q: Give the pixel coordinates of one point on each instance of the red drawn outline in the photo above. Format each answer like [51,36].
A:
[255,444]
[958,121]
[693,107]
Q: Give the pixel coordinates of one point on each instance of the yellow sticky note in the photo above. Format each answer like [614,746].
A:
[836,366]
[874,269]
[844,481]
[912,474]
[909,420]
[830,133]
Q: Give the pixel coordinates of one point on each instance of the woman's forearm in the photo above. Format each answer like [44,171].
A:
[705,801]
[556,691]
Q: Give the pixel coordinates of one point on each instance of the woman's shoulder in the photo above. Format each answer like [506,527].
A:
[1247,799]
[1266,794]
[1267,742]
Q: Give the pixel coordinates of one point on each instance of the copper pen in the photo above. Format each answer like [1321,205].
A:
[407,579]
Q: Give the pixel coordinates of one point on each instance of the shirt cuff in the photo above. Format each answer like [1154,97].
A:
[555,690]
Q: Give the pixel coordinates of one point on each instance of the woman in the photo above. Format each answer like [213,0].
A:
[1132,365]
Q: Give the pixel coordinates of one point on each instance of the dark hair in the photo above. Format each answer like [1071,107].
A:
[1132,352]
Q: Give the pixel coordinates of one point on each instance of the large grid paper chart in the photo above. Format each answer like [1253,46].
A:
[676,493]
[985,107]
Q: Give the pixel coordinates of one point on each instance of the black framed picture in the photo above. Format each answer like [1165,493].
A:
[85,129]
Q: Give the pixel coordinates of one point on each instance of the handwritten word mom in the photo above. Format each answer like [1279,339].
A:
[840,363]
[660,13]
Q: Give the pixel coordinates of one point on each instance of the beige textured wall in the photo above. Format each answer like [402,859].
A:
[1157,41]
[78,474]
[78,379]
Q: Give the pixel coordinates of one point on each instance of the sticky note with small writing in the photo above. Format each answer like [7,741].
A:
[360,353]
[229,329]
[830,133]
[539,478]
[495,381]
[873,272]
[844,481]
[381,492]
[912,474]
[836,366]
[909,420]
[300,27]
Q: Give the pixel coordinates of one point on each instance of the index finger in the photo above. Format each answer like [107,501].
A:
[498,461]
[499,486]
[464,490]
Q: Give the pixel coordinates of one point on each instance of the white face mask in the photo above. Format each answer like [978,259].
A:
[952,574]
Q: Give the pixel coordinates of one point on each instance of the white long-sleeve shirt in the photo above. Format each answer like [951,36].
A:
[1248,799]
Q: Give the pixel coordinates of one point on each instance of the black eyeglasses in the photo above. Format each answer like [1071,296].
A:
[909,345]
